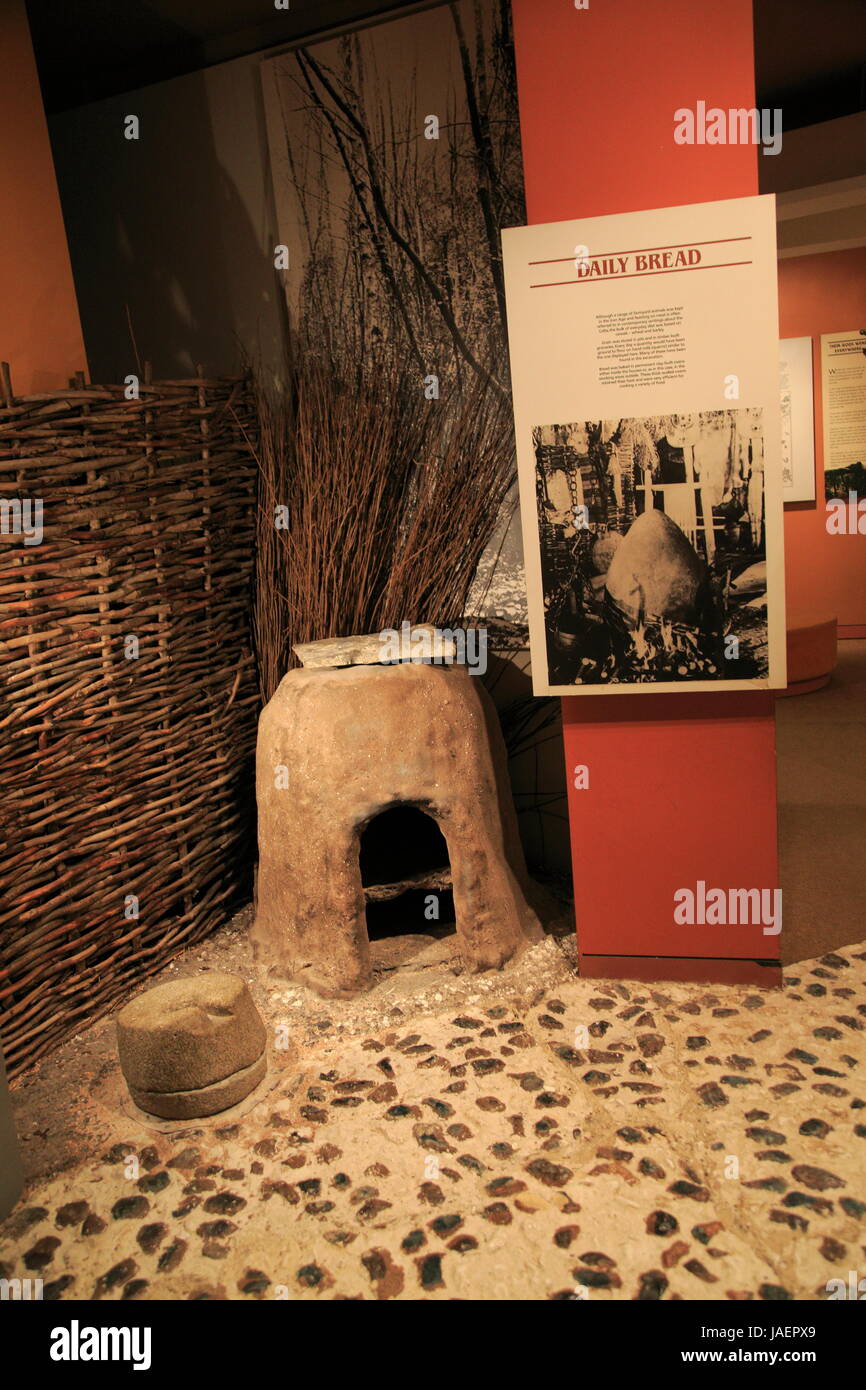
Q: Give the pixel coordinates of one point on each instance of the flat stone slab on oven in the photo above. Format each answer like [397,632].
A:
[193,1046]
[368,650]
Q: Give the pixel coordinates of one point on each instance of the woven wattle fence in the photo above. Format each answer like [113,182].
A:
[126,810]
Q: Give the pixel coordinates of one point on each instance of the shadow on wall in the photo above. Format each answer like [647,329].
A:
[177,225]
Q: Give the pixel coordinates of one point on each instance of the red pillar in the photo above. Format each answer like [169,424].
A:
[682,788]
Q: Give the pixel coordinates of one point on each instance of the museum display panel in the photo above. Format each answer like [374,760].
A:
[648,433]
[798,420]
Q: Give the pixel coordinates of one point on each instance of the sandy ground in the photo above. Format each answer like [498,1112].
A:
[517,1135]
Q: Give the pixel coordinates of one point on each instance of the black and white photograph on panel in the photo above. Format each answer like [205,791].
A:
[652,538]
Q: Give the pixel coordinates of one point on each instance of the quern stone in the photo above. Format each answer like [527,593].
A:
[192,1047]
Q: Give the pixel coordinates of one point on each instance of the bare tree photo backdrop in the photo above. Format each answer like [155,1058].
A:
[396,160]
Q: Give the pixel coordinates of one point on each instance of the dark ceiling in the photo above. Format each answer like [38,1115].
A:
[810,58]
[90,49]
[810,55]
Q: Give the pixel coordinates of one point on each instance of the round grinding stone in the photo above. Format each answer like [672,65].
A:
[192,1047]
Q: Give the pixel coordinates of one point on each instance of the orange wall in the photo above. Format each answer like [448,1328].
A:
[825,576]
[598,89]
[40,333]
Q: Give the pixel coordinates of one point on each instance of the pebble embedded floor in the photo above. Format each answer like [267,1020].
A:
[523,1135]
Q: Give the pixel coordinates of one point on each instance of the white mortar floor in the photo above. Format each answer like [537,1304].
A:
[519,1135]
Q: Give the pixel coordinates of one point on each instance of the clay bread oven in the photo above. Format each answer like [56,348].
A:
[341,745]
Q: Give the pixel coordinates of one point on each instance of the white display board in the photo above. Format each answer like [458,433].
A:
[644,363]
[843,396]
[798,419]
